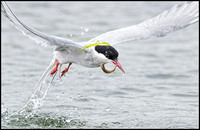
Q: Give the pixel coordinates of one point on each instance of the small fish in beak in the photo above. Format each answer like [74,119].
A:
[105,70]
[110,71]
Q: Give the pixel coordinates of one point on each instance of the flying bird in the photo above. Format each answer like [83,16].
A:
[99,50]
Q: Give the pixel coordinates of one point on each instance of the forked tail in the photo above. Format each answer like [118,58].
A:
[37,96]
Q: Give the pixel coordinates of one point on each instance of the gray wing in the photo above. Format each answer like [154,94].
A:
[178,17]
[35,35]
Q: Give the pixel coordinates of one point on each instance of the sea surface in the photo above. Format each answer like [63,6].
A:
[160,88]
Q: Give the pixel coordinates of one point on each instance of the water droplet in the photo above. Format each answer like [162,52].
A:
[57,96]
[86,29]
[70,98]
[108,109]
[91,76]
[68,120]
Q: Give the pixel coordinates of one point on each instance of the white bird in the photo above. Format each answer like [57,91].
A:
[99,51]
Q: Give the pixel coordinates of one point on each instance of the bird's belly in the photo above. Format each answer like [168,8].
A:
[81,58]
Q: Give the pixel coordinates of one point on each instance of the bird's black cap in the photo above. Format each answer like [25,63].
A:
[109,52]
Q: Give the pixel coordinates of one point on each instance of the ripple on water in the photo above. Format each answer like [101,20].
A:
[128,89]
[165,76]
[184,95]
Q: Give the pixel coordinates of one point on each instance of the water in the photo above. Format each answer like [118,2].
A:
[159,89]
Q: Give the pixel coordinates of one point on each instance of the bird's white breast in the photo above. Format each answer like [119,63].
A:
[86,58]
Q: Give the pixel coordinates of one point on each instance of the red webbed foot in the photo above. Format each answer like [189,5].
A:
[65,71]
[55,69]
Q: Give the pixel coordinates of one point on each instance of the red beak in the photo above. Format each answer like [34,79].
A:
[118,65]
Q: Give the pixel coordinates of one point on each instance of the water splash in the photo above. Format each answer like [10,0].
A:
[41,90]
[36,100]
[39,120]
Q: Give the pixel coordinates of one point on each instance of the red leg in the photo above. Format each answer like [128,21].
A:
[55,69]
[65,71]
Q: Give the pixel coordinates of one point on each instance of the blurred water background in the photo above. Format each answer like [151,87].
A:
[159,90]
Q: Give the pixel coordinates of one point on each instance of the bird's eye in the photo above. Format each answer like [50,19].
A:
[106,54]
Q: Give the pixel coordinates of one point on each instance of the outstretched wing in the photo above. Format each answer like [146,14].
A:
[178,17]
[39,37]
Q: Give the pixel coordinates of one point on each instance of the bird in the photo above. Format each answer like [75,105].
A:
[99,50]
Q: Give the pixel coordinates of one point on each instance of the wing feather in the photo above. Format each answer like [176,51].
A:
[178,17]
[35,35]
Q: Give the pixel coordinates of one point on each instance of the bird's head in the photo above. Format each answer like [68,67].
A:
[108,54]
